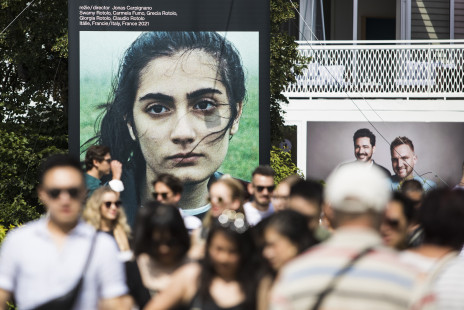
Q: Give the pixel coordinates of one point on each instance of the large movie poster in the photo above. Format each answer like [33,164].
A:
[171,86]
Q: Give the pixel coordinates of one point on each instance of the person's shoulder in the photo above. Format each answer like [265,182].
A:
[189,271]
[27,230]
[384,170]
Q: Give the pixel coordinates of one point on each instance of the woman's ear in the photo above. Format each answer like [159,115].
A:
[236,123]
[131,131]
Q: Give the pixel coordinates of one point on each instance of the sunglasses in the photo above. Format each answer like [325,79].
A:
[393,223]
[163,195]
[218,200]
[108,160]
[54,193]
[109,203]
[270,189]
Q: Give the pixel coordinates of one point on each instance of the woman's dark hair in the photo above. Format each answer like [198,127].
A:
[147,47]
[246,266]
[293,226]
[407,205]
[442,216]
[155,216]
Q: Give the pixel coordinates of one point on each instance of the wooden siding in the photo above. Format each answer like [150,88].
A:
[430,19]
[459,19]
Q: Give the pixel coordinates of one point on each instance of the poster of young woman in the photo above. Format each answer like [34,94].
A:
[180,88]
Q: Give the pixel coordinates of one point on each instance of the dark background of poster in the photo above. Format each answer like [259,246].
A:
[193,15]
[438,146]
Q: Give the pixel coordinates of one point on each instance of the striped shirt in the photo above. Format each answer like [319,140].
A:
[377,281]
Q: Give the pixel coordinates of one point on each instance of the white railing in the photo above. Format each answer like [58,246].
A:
[381,69]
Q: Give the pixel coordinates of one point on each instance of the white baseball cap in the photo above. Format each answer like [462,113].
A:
[357,188]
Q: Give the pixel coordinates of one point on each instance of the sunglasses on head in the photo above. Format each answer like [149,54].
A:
[163,195]
[270,189]
[54,193]
[393,223]
[109,203]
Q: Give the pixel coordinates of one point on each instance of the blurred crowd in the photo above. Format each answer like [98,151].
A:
[348,243]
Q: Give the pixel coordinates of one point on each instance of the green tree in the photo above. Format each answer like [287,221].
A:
[281,162]
[285,63]
[33,100]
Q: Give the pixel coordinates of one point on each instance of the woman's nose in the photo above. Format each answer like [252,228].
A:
[183,131]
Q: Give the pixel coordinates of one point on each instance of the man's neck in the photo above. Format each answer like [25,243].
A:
[95,173]
[260,207]
[59,232]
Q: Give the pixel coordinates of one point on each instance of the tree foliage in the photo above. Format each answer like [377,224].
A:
[281,162]
[33,100]
[285,63]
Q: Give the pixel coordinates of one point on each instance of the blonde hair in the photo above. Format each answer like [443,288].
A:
[237,192]
[92,211]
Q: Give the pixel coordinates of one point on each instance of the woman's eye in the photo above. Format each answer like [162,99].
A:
[157,109]
[205,105]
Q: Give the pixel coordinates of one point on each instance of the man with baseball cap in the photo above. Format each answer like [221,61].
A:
[351,270]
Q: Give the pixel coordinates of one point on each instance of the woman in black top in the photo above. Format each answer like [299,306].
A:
[223,279]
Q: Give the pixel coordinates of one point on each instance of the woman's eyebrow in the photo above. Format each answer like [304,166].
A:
[157,96]
[203,91]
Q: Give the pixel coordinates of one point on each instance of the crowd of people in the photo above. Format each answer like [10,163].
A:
[351,243]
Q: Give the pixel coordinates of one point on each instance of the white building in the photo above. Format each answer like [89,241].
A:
[381,62]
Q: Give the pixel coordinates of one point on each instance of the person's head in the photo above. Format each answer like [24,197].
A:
[262,185]
[281,193]
[104,206]
[364,144]
[306,198]
[399,215]
[403,157]
[177,102]
[167,188]
[229,254]
[62,189]
[160,232]
[441,216]
[357,195]
[226,194]
[413,190]
[286,235]
[98,157]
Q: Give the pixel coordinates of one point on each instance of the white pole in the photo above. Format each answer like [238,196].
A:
[355,20]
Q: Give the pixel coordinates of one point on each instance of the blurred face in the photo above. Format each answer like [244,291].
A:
[261,187]
[394,229]
[180,109]
[165,247]
[307,208]
[280,197]
[220,196]
[278,249]
[104,166]
[164,194]
[224,255]
[363,149]
[403,161]
[110,206]
[62,193]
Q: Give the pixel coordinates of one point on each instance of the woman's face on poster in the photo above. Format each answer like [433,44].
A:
[180,109]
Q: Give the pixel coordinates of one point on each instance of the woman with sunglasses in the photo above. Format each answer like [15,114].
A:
[160,244]
[103,211]
[226,193]
[223,279]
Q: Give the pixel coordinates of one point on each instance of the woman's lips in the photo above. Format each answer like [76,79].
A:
[187,158]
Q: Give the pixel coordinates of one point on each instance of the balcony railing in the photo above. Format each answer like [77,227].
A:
[381,69]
